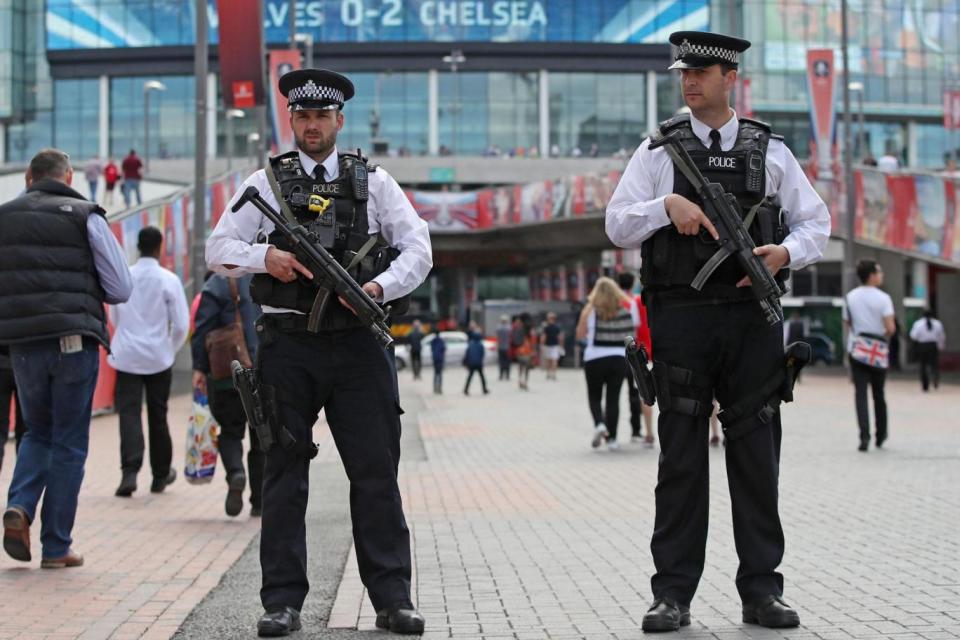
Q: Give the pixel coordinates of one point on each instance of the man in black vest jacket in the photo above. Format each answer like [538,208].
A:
[715,342]
[61,264]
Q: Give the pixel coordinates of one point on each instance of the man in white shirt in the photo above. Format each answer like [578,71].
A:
[336,365]
[149,330]
[869,312]
[929,340]
[715,342]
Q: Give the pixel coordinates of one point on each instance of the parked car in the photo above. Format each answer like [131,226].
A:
[822,347]
[456,348]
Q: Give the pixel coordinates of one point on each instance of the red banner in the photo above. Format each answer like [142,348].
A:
[281,61]
[241,52]
[951,110]
[821,81]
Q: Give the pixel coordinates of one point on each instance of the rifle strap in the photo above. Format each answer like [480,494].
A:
[275,188]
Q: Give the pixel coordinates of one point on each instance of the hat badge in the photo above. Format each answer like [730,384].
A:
[686,48]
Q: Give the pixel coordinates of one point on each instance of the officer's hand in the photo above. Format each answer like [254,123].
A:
[688,217]
[775,256]
[200,381]
[284,266]
[372,289]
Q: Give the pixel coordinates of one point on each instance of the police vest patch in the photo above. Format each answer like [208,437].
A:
[722,162]
[328,188]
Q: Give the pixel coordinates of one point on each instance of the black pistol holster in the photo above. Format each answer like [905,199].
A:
[764,403]
[682,390]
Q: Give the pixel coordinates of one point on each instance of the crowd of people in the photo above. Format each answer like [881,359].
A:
[128,175]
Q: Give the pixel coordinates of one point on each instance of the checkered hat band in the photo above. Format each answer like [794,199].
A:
[703,51]
[311,91]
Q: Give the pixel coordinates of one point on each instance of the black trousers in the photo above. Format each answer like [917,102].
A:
[483,379]
[605,373]
[128,400]
[228,411]
[875,378]
[347,374]
[732,345]
[929,356]
[503,360]
[636,410]
[416,363]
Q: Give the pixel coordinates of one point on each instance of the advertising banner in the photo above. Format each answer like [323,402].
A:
[821,82]
[241,52]
[281,62]
[951,109]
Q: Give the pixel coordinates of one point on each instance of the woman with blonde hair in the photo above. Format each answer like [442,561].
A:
[608,317]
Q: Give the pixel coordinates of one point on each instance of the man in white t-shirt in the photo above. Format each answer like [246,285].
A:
[869,312]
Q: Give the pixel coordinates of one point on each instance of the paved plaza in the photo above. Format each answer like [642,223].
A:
[521,531]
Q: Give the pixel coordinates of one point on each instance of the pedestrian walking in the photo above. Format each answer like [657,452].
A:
[8,394]
[551,344]
[91,171]
[606,319]
[626,281]
[61,264]
[868,315]
[341,368]
[438,351]
[503,347]
[715,342]
[131,167]
[110,176]
[416,347]
[523,346]
[929,339]
[473,358]
[149,329]
[225,303]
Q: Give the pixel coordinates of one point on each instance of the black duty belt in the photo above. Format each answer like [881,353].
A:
[297,323]
[689,297]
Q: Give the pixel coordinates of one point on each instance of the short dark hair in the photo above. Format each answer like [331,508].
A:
[149,241]
[727,67]
[626,279]
[865,269]
[49,163]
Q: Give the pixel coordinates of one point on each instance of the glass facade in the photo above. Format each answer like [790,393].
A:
[171,117]
[389,108]
[76,115]
[96,24]
[488,112]
[604,111]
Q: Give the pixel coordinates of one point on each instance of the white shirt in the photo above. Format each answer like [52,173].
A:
[920,333]
[592,351]
[888,163]
[868,306]
[637,208]
[238,241]
[151,326]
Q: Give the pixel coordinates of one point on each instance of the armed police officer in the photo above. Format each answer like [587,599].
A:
[305,364]
[715,341]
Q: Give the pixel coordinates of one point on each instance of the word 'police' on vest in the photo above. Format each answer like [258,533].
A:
[722,162]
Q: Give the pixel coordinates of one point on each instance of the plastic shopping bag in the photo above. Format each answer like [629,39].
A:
[201,442]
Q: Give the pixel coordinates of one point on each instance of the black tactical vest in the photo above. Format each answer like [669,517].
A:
[672,260]
[49,285]
[335,213]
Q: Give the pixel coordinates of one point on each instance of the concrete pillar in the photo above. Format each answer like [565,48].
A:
[3,143]
[651,101]
[211,116]
[911,144]
[544,113]
[948,307]
[433,112]
[919,275]
[104,119]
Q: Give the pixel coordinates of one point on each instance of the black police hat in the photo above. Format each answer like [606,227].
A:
[316,89]
[701,49]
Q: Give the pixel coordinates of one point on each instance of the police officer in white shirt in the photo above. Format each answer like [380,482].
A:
[341,368]
[715,342]
[929,340]
[150,328]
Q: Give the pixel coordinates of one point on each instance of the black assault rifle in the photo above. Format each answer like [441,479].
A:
[723,210]
[328,274]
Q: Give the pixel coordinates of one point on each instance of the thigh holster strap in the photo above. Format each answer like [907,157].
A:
[682,390]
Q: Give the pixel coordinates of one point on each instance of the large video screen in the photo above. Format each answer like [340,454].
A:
[97,24]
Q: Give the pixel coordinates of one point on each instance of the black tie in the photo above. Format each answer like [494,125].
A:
[318,172]
[715,140]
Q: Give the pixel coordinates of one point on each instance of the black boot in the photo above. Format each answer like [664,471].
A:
[403,619]
[666,615]
[278,623]
[235,484]
[128,484]
[159,484]
[771,612]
